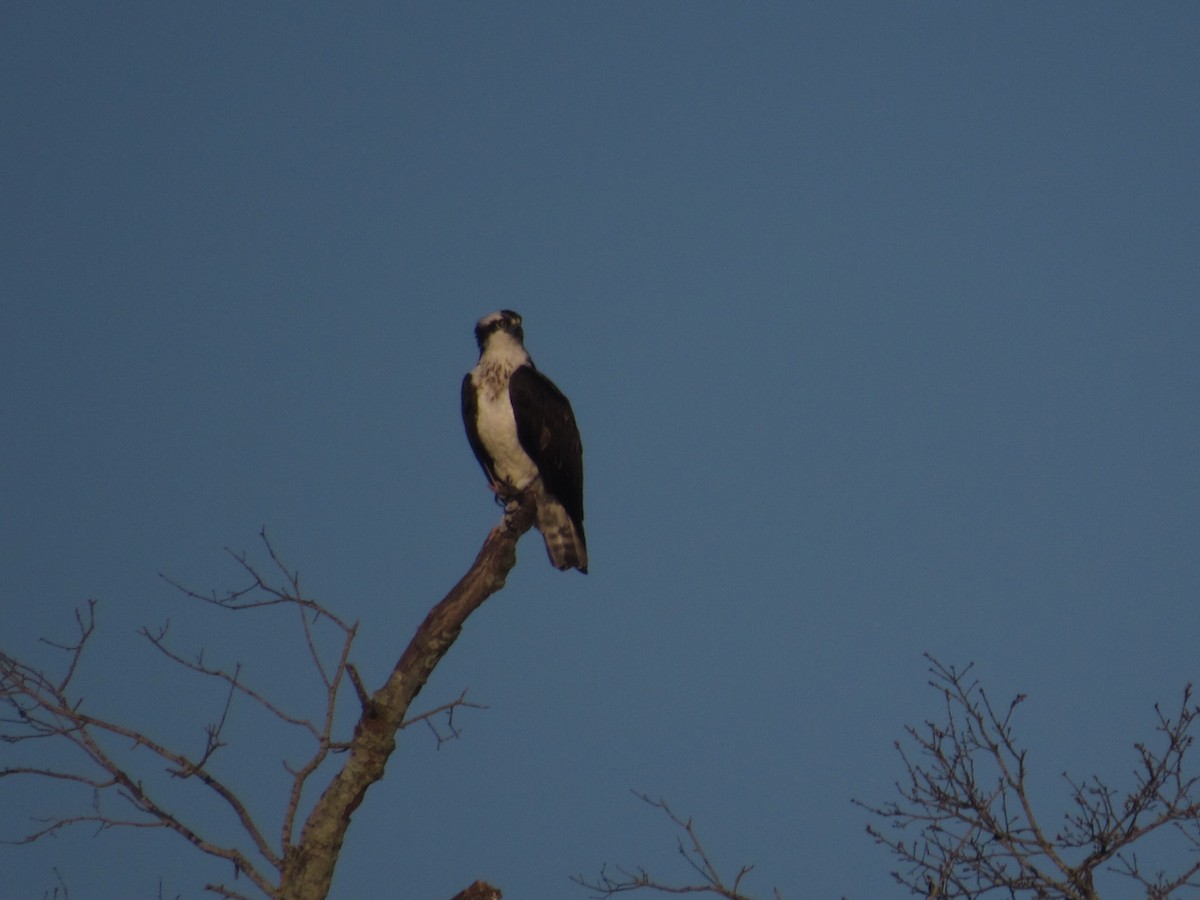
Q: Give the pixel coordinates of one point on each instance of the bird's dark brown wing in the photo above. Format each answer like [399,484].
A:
[547,431]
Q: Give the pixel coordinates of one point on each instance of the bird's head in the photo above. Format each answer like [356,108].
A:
[505,321]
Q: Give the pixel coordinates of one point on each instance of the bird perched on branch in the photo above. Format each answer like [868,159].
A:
[523,432]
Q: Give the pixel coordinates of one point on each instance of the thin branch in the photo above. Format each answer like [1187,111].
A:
[359,688]
[446,711]
[236,599]
[62,885]
[49,711]
[690,847]
[76,726]
[325,742]
[87,625]
[223,891]
[158,640]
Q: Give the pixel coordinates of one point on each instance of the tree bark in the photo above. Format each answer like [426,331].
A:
[480,890]
[309,865]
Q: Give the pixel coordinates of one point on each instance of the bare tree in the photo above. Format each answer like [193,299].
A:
[298,862]
[621,879]
[966,823]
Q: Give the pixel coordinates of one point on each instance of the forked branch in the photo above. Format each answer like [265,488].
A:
[621,879]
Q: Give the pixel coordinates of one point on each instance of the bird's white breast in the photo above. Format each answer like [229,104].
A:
[498,427]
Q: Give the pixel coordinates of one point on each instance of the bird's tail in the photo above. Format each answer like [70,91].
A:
[565,541]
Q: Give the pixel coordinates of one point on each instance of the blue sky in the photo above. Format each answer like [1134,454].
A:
[879,322]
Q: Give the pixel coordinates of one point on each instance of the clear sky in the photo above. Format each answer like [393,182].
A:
[880,322]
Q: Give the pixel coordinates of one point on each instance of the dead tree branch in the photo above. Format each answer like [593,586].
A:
[41,709]
[621,879]
[974,829]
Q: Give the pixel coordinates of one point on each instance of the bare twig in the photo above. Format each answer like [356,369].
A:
[689,846]
[359,688]
[267,593]
[60,891]
[158,640]
[445,712]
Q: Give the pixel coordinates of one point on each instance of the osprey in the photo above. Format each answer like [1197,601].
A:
[524,435]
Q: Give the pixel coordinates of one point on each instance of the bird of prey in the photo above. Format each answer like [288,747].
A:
[524,435]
